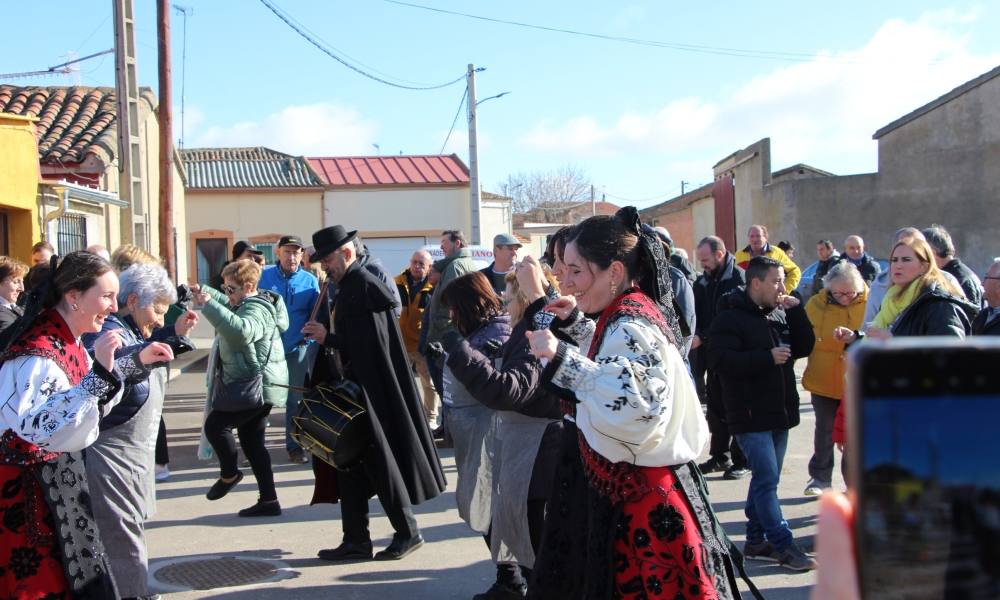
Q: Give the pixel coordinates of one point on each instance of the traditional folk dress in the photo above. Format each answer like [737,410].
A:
[629,517]
[52,398]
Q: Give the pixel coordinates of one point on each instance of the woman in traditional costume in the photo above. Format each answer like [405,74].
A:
[53,398]
[645,526]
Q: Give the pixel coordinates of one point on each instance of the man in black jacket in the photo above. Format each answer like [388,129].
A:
[988,320]
[719,276]
[753,342]
[944,255]
[854,251]
[400,465]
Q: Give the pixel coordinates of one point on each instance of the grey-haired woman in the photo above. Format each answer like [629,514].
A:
[120,462]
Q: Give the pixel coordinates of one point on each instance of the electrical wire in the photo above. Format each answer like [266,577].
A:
[455,120]
[323,48]
[737,52]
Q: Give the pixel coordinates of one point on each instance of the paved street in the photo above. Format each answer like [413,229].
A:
[195,542]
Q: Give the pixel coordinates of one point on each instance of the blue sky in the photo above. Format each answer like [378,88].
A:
[637,119]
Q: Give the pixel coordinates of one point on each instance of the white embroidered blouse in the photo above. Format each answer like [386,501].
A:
[41,407]
[637,401]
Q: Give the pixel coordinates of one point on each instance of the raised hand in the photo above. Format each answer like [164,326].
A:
[562,307]
[156,352]
[186,322]
[105,348]
[542,343]
[531,278]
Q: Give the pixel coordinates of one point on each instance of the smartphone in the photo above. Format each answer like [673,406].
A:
[923,452]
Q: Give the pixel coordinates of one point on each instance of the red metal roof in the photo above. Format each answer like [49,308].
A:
[415,170]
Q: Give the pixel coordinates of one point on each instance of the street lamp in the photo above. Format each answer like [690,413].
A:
[475,199]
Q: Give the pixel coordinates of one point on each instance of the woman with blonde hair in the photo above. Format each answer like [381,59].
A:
[127,255]
[921,300]
[842,304]
[249,322]
[12,272]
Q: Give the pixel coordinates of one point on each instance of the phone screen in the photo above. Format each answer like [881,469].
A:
[927,472]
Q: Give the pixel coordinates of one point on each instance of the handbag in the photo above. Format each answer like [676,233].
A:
[240,394]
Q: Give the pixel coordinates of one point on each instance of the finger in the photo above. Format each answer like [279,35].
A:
[837,577]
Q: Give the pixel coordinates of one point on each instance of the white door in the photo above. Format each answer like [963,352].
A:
[394,252]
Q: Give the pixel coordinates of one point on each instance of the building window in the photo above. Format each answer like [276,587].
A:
[270,252]
[72,234]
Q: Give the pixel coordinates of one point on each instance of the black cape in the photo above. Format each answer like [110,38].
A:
[373,355]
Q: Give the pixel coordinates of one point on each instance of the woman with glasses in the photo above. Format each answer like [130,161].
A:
[249,323]
[841,304]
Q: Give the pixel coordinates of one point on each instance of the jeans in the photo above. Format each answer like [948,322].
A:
[297,368]
[821,463]
[250,425]
[765,452]
[429,395]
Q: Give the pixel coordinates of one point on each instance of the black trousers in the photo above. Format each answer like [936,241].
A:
[162,456]
[723,444]
[696,358]
[372,477]
[250,425]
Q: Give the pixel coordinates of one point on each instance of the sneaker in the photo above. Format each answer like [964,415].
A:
[162,472]
[815,488]
[714,465]
[795,559]
[733,473]
[298,457]
[760,551]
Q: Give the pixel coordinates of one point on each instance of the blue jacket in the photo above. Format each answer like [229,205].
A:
[299,291]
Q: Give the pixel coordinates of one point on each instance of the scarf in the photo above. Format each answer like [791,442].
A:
[894,303]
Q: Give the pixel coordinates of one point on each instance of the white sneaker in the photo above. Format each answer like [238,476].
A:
[162,473]
[815,488]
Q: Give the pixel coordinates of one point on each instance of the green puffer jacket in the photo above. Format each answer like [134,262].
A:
[245,335]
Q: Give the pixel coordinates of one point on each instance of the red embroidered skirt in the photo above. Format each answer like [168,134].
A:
[30,563]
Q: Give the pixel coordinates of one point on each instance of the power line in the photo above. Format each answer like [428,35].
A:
[323,47]
[455,120]
[738,52]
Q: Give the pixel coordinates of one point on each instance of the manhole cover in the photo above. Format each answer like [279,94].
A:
[210,573]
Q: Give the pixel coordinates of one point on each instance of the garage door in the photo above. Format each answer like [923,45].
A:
[394,253]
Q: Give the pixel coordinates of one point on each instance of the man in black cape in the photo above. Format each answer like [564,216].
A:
[401,465]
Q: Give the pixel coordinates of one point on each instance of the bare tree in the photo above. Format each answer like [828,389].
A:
[559,188]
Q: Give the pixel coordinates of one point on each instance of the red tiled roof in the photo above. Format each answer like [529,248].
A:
[419,170]
[73,122]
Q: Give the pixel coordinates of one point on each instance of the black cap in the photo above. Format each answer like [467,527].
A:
[242,246]
[291,240]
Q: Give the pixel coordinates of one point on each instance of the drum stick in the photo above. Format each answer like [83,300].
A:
[319,301]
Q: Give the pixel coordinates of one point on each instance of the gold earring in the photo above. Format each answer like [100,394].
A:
[614,289]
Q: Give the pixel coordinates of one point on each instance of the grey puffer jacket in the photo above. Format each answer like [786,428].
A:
[247,334]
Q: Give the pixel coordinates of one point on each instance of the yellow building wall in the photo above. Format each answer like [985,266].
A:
[251,214]
[19,176]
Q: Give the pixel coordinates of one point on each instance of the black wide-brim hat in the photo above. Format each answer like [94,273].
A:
[328,239]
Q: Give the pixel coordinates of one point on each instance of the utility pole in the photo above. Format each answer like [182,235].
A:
[593,201]
[475,199]
[683,183]
[165,112]
[133,218]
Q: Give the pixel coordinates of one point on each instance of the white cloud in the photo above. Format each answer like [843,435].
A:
[823,111]
[319,129]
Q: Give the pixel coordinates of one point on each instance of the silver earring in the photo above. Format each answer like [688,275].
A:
[75,307]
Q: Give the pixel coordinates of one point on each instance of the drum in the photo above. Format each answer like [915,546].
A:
[331,423]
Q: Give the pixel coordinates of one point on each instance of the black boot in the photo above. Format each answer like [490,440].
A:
[510,585]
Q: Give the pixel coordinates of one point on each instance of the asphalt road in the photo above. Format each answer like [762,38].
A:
[194,543]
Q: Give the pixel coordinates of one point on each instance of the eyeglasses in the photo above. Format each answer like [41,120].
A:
[227,289]
[844,294]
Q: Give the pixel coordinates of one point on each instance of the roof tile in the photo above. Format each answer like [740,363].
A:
[413,170]
[246,168]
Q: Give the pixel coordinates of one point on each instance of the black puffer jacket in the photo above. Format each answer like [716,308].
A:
[981,327]
[710,287]
[758,395]
[967,278]
[936,312]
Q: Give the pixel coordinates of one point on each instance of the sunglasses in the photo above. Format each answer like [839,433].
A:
[228,289]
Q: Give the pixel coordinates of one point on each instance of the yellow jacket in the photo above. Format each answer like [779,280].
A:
[792,272]
[825,371]
[413,309]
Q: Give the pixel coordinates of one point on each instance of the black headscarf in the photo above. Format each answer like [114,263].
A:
[654,269]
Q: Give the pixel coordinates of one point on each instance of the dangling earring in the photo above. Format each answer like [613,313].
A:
[614,289]
[74,306]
